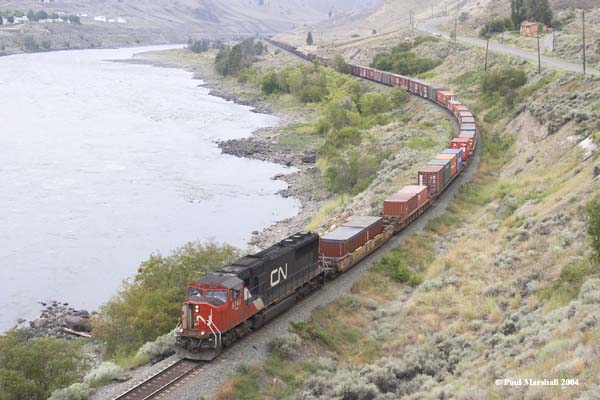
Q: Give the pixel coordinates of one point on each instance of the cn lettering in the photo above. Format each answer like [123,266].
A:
[279,274]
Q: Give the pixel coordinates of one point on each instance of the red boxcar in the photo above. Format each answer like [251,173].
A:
[373,226]
[432,176]
[444,96]
[462,143]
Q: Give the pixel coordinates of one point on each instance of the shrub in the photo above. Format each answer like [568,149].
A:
[285,346]
[29,43]
[149,304]
[374,103]
[160,348]
[592,212]
[231,60]
[352,172]
[103,374]
[500,85]
[77,391]
[341,65]
[496,26]
[33,368]
[402,60]
[404,263]
[198,46]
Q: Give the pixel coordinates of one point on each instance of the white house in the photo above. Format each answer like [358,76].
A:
[100,18]
[21,20]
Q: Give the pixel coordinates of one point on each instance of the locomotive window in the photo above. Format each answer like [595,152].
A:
[194,292]
[235,294]
[217,294]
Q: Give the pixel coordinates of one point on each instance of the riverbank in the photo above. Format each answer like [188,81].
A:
[278,144]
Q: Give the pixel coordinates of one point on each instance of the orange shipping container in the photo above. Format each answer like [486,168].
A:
[453,161]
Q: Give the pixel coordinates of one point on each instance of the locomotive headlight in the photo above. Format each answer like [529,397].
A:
[202,333]
[197,308]
[180,330]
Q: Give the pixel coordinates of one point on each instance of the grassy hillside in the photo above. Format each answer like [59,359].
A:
[502,286]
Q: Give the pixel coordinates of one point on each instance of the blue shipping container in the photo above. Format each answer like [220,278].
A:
[459,154]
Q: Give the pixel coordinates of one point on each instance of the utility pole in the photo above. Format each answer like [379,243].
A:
[583,25]
[487,45]
[455,25]
[553,39]
[431,11]
[539,57]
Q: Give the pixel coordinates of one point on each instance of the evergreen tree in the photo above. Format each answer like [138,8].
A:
[517,12]
[539,11]
[309,39]
[1,21]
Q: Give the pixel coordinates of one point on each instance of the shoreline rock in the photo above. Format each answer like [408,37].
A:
[56,318]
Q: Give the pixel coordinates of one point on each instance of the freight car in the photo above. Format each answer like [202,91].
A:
[226,304]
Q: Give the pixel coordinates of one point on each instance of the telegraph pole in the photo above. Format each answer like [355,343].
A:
[487,45]
[583,31]
[455,24]
[539,57]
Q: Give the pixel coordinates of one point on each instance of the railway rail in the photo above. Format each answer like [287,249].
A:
[158,383]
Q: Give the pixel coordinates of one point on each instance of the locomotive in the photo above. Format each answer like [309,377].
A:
[228,303]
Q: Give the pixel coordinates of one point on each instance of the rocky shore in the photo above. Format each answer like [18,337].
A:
[59,320]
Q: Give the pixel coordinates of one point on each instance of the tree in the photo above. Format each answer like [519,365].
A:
[539,11]
[10,19]
[593,228]
[149,305]
[517,12]
[32,368]
[29,43]
[31,16]
[309,39]
[341,65]
[1,21]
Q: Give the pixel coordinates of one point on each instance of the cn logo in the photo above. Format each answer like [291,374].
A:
[278,275]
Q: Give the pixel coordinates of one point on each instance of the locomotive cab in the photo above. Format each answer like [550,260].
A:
[214,306]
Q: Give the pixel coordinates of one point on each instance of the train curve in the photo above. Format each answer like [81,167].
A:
[198,380]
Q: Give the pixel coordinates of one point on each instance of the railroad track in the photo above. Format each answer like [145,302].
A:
[158,383]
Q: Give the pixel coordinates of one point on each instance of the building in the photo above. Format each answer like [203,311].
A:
[531,28]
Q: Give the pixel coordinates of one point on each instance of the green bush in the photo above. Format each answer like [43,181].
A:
[32,369]
[496,26]
[402,60]
[352,172]
[593,228]
[499,86]
[148,306]
[232,59]
[374,103]
[341,65]
[405,263]
[198,46]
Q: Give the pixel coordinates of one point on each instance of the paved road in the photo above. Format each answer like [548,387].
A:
[430,26]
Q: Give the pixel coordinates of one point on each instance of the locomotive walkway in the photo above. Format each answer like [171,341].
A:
[430,26]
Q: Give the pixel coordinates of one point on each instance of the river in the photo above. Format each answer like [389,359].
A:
[103,163]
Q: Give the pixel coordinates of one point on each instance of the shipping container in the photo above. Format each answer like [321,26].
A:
[453,162]
[432,176]
[452,104]
[471,137]
[400,205]
[468,127]
[463,144]
[467,120]
[459,156]
[447,167]
[443,97]
[420,190]
[458,109]
[373,226]
[341,241]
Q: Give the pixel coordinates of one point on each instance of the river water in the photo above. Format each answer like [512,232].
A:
[103,163]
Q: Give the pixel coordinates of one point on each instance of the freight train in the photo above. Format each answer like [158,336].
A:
[227,304]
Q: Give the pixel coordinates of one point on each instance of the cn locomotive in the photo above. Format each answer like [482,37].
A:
[226,304]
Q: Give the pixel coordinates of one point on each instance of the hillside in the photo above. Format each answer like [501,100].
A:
[501,287]
[156,21]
